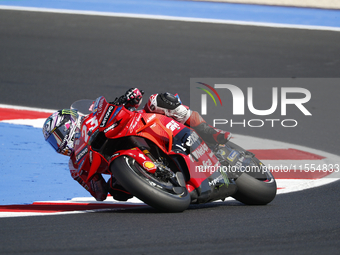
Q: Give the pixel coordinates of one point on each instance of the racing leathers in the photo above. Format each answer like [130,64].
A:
[97,186]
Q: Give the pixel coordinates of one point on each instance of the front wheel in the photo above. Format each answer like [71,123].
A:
[165,195]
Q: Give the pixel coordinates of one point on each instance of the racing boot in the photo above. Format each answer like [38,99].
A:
[207,132]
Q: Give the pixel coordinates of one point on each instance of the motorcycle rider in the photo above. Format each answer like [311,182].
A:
[62,126]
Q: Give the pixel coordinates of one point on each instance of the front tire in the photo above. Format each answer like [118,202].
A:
[164,196]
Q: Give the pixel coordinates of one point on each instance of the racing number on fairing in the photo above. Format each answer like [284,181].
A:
[90,125]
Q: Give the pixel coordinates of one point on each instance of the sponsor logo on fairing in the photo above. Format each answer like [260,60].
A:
[207,163]
[200,151]
[79,170]
[141,155]
[98,105]
[192,138]
[107,116]
[149,165]
[216,180]
[151,118]
[81,154]
[233,154]
[112,126]
[134,123]
[172,125]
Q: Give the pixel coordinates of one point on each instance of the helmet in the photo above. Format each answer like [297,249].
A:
[59,130]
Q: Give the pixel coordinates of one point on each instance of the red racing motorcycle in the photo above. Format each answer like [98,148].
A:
[164,163]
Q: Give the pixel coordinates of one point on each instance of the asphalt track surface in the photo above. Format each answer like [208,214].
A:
[51,60]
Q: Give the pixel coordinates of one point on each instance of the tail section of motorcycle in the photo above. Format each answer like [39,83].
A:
[255,183]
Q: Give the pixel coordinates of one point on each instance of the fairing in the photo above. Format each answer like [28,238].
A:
[112,131]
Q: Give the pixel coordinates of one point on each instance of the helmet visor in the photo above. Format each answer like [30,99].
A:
[57,137]
[53,141]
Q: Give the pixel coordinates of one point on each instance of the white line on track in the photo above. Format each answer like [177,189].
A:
[17,107]
[171,18]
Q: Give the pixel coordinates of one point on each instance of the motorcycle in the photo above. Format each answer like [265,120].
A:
[164,163]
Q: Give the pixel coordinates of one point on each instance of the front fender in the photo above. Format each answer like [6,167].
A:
[139,156]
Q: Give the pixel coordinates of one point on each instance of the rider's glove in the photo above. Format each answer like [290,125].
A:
[133,97]
[222,137]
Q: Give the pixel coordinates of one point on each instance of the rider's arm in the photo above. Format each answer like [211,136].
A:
[171,106]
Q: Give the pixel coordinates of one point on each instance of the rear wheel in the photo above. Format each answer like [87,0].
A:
[251,191]
[256,185]
[164,192]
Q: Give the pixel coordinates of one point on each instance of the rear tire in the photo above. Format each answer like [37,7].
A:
[147,188]
[251,191]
